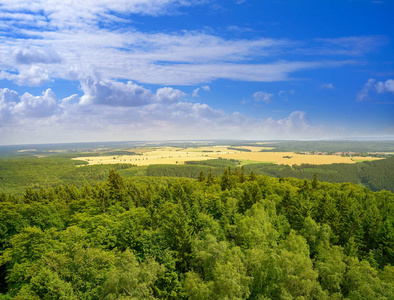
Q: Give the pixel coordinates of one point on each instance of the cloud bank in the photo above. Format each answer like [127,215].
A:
[134,113]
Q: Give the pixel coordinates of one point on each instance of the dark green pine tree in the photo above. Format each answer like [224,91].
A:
[242,176]
[225,183]
[202,177]
[353,233]
[315,182]
[386,242]
[211,179]
[115,187]
[252,176]
[251,195]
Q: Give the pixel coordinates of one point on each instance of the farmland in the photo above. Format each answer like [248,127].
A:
[291,158]
[162,155]
[244,154]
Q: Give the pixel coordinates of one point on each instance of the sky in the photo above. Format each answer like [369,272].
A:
[139,70]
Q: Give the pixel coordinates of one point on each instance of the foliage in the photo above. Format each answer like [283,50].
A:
[18,173]
[375,175]
[234,236]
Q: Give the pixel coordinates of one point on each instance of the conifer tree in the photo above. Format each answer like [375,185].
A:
[242,176]
[211,179]
[202,177]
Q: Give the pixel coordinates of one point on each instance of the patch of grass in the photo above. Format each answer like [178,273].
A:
[244,162]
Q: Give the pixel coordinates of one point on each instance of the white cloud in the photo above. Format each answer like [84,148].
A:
[195,92]
[8,99]
[69,39]
[364,93]
[118,94]
[14,107]
[106,92]
[59,12]
[8,96]
[383,87]
[30,55]
[33,76]
[327,86]
[263,97]
[169,95]
[205,88]
[37,106]
[350,46]
[284,94]
[377,86]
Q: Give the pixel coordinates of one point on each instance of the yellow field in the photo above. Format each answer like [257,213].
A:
[295,159]
[162,155]
[171,155]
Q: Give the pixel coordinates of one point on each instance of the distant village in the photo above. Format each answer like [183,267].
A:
[349,153]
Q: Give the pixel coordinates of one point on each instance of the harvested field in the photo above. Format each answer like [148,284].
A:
[172,155]
[290,158]
[162,155]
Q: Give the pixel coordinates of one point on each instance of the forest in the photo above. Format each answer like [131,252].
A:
[375,175]
[237,235]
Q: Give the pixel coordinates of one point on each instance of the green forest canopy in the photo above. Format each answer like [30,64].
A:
[234,236]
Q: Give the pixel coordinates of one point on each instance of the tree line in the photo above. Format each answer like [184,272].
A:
[376,175]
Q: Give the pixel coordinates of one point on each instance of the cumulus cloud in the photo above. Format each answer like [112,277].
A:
[8,96]
[296,120]
[169,95]
[376,86]
[41,106]
[30,55]
[8,99]
[112,93]
[263,97]
[16,109]
[383,87]
[33,76]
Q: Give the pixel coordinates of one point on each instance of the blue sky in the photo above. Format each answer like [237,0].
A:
[104,70]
